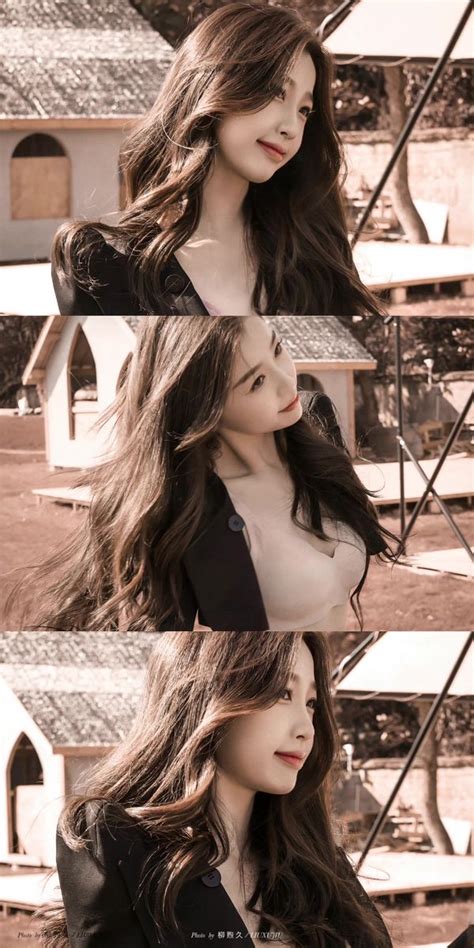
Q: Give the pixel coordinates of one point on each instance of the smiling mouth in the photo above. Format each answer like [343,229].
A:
[290,759]
[274,152]
[292,404]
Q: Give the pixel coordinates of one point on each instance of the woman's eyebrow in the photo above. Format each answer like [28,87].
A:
[307,95]
[256,367]
[294,677]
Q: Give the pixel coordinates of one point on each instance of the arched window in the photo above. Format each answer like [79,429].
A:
[40,179]
[25,785]
[82,385]
[309,382]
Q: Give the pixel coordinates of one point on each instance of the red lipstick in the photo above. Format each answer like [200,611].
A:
[292,404]
[290,759]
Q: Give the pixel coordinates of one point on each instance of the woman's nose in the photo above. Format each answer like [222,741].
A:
[288,124]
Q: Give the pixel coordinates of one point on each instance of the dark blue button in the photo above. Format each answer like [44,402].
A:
[236,523]
[212,878]
[175,283]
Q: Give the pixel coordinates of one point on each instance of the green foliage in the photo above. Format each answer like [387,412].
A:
[18,335]
[450,342]
[359,93]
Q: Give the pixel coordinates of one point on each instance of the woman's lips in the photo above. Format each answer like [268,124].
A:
[292,404]
[272,152]
[295,762]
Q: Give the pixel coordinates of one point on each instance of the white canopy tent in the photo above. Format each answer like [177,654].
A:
[404,666]
[395,31]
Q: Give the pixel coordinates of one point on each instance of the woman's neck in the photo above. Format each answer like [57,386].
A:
[242,455]
[234,804]
[223,195]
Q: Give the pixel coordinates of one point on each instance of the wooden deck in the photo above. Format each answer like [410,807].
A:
[397,265]
[26,288]
[456,478]
[454,562]
[27,890]
[74,496]
[383,873]
[392,873]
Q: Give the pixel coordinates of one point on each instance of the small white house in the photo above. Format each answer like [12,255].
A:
[65,701]
[74,78]
[77,360]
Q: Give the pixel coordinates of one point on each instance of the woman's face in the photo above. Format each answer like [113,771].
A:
[250,753]
[280,123]
[263,383]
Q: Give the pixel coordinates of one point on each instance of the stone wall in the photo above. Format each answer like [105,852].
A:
[440,169]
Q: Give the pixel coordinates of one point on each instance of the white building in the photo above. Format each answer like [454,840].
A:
[74,77]
[66,700]
[77,360]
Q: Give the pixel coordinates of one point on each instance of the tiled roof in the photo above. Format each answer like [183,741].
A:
[80,688]
[81,719]
[310,338]
[87,58]
[107,649]
[319,338]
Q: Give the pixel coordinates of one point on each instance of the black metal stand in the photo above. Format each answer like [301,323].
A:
[350,660]
[404,136]
[429,481]
[425,729]
[401,469]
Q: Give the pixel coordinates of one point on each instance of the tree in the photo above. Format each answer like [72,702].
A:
[18,335]
[403,205]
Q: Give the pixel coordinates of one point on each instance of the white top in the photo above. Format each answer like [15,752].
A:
[305,582]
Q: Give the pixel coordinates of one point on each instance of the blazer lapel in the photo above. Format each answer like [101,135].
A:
[221,571]
[203,906]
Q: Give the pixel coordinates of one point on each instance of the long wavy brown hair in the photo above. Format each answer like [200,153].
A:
[235,60]
[162,776]
[123,568]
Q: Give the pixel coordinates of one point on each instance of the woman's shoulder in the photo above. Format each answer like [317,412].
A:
[106,828]
[89,266]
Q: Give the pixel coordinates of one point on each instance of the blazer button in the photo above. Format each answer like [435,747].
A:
[212,878]
[174,283]
[236,523]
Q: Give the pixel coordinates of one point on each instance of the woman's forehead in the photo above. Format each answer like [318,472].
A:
[255,343]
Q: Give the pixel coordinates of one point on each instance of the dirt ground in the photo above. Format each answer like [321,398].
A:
[442,305]
[393,598]
[434,923]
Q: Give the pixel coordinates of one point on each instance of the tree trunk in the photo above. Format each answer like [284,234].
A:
[398,182]
[370,412]
[428,757]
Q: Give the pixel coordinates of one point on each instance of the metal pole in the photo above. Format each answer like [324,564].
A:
[442,506]
[347,663]
[424,730]
[333,19]
[407,129]
[399,394]
[450,441]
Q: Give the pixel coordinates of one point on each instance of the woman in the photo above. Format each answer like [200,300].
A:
[211,820]
[233,184]
[220,504]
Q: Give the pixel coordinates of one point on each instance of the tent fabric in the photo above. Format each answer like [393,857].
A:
[407,665]
[396,30]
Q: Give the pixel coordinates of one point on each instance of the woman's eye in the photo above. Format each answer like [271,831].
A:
[278,348]
[280,93]
[257,383]
[306,109]
[312,701]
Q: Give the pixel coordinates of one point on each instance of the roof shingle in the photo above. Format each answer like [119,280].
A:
[83,59]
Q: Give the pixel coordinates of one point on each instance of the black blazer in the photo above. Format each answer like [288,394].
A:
[218,576]
[110,292]
[104,904]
